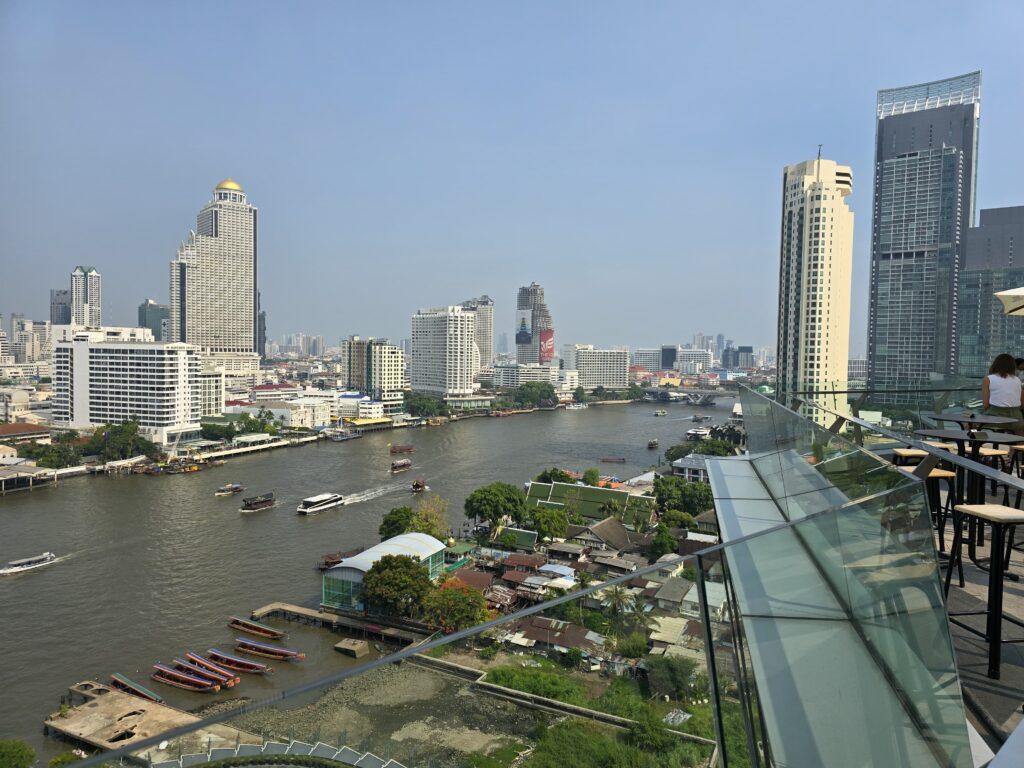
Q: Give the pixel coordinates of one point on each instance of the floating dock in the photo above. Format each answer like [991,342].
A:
[110,719]
[337,621]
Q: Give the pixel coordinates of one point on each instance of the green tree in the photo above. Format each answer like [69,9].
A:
[676,519]
[422,405]
[618,600]
[397,585]
[64,758]
[16,754]
[113,442]
[650,734]
[395,523]
[548,523]
[496,501]
[634,392]
[591,476]
[430,517]
[211,431]
[611,508]
[678,451]
[663,542]
[632,646]
[579,395]
[554,475]
[533,394]
[675,493]
[715,447]
[573,658]
[454,606]
[669,675]
[600,392]
[507,540]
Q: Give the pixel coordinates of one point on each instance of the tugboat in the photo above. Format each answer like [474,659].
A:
[28,564]
[228,490]
[652,444]
[263,501]
[420,485]
[402,465]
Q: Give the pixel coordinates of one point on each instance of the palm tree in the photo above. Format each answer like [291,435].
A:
[617,599]
[641,619]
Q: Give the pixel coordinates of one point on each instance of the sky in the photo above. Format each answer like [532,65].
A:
[627,156]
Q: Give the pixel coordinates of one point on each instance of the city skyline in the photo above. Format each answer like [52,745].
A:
[516,202]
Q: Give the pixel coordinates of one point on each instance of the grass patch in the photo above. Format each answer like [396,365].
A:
[501,757]
[547,682]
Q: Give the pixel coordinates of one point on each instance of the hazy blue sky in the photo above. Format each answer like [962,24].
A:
[628,156]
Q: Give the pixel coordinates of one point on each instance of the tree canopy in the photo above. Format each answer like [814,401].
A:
[533,394]
[675,493]
[548,523]
[422,405]
[396,584]
[395,523]
[455,605]
[554,475]
[591,476]
[114,442]
[663,542]
[496,501]
[430,516]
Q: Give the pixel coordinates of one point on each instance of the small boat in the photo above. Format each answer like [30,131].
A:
[199,661]
[221,678]
[228,661]
[652,443]
[661,412]
[698,418]
[123,683]
[401,465]
[576,407]
[255,628]
[269,651]
[420,485]
[179,679]
[401,448]
[613,460]
[316,504]
[228,490]
[28,564]
[341,435]
[698,433]
[263,501]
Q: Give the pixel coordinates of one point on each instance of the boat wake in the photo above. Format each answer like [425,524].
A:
[374,493]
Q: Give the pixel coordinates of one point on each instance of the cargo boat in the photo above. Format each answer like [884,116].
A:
[124,684]
[401,465]
[255,628]
[228,661]
[178,679]
[263,501]
[613,460]
[402,448]
[269,651]
[316,504]
[28,564]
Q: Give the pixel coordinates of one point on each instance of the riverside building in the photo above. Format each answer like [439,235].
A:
[112,375]
[375,367]
[213,279]
[484,308]
[86,297]
[535,333]
[815,275]
[925,168]
[608,368]
[445,358]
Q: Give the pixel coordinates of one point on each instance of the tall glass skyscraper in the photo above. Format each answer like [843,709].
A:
[926,147]
[535,333]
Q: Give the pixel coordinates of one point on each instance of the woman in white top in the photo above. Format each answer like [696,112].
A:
[1001,393]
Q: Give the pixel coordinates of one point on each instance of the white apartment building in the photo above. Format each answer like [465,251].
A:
[213,279]
[511,375]
[32,341]
[110,375]
[211,392]
[608,368]
[445,357]
[241,369]
[484,335]
[6,355]
[815,274]
[695,360]
[648,359]
[376,368]
[86,297]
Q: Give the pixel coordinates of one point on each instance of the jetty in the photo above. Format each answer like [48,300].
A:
[338,622]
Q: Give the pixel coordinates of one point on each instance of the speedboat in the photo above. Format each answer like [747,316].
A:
[28,564]
[320,502]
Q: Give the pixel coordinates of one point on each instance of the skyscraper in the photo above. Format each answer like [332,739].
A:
[815,274]
[154,316]
[993,261]
[484,308]
[926,147]
[86,297]
[214,302]
[445,357]
[535,333]
[60,306]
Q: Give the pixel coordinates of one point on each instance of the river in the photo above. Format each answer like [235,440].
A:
[152,566]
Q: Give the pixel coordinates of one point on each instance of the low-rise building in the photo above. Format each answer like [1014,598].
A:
[14,404]
[692,468]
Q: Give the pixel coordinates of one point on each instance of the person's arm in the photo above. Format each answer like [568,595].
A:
[984,393]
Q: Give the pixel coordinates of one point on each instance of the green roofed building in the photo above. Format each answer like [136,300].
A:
[588,500]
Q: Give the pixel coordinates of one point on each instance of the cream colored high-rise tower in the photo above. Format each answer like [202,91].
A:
[815,273]
[214,276]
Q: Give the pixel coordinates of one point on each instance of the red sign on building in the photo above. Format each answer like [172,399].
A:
[546,351]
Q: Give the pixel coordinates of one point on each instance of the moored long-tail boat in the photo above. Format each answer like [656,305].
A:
[199,661]
[124,684]
[227,680]
[179,679]
[269,651]
[255,628]
[238,665]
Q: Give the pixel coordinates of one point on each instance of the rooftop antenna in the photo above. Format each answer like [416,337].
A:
[818,165]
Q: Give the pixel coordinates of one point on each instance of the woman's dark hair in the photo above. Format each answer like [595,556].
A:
[1004,365]
[1019,361]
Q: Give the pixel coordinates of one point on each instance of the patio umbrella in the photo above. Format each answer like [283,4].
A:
[1013,301]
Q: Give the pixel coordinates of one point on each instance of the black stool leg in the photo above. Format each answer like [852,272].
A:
[993,626]
[956,554]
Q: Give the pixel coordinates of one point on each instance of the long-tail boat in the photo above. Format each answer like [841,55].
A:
[227,680]
[199,661]
[123,683]
[228,661]
[179,679]
[255,628]
[401,448]
[270,651]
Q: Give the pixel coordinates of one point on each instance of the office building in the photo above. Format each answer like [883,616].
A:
[112,375]
[608,368]
[738,357]
[815,277]
[535,333]
[86,297]
[375,367]
[926,150]
[993,261]
[484,308]
[261,333]
[213,279]
[694,360]
[857,370]
[60,306]
[31,341]
[444,357]
[669,357]
[155,317]
[648,359]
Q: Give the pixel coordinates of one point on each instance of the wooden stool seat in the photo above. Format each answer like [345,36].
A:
[993,513]
[947,446]
[991,453]
[909,453]
[935,474]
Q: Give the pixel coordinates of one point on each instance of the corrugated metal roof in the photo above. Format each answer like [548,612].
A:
[418,545]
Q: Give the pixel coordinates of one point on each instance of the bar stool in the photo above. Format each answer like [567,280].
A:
[902,456]
[997,458]
[940,511]
[1003,520]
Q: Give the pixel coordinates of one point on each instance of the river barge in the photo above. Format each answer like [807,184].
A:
[255,628]
[268,651]
[401,449]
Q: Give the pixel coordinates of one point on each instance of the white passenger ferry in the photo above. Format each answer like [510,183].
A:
[27,564]
[316,504]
